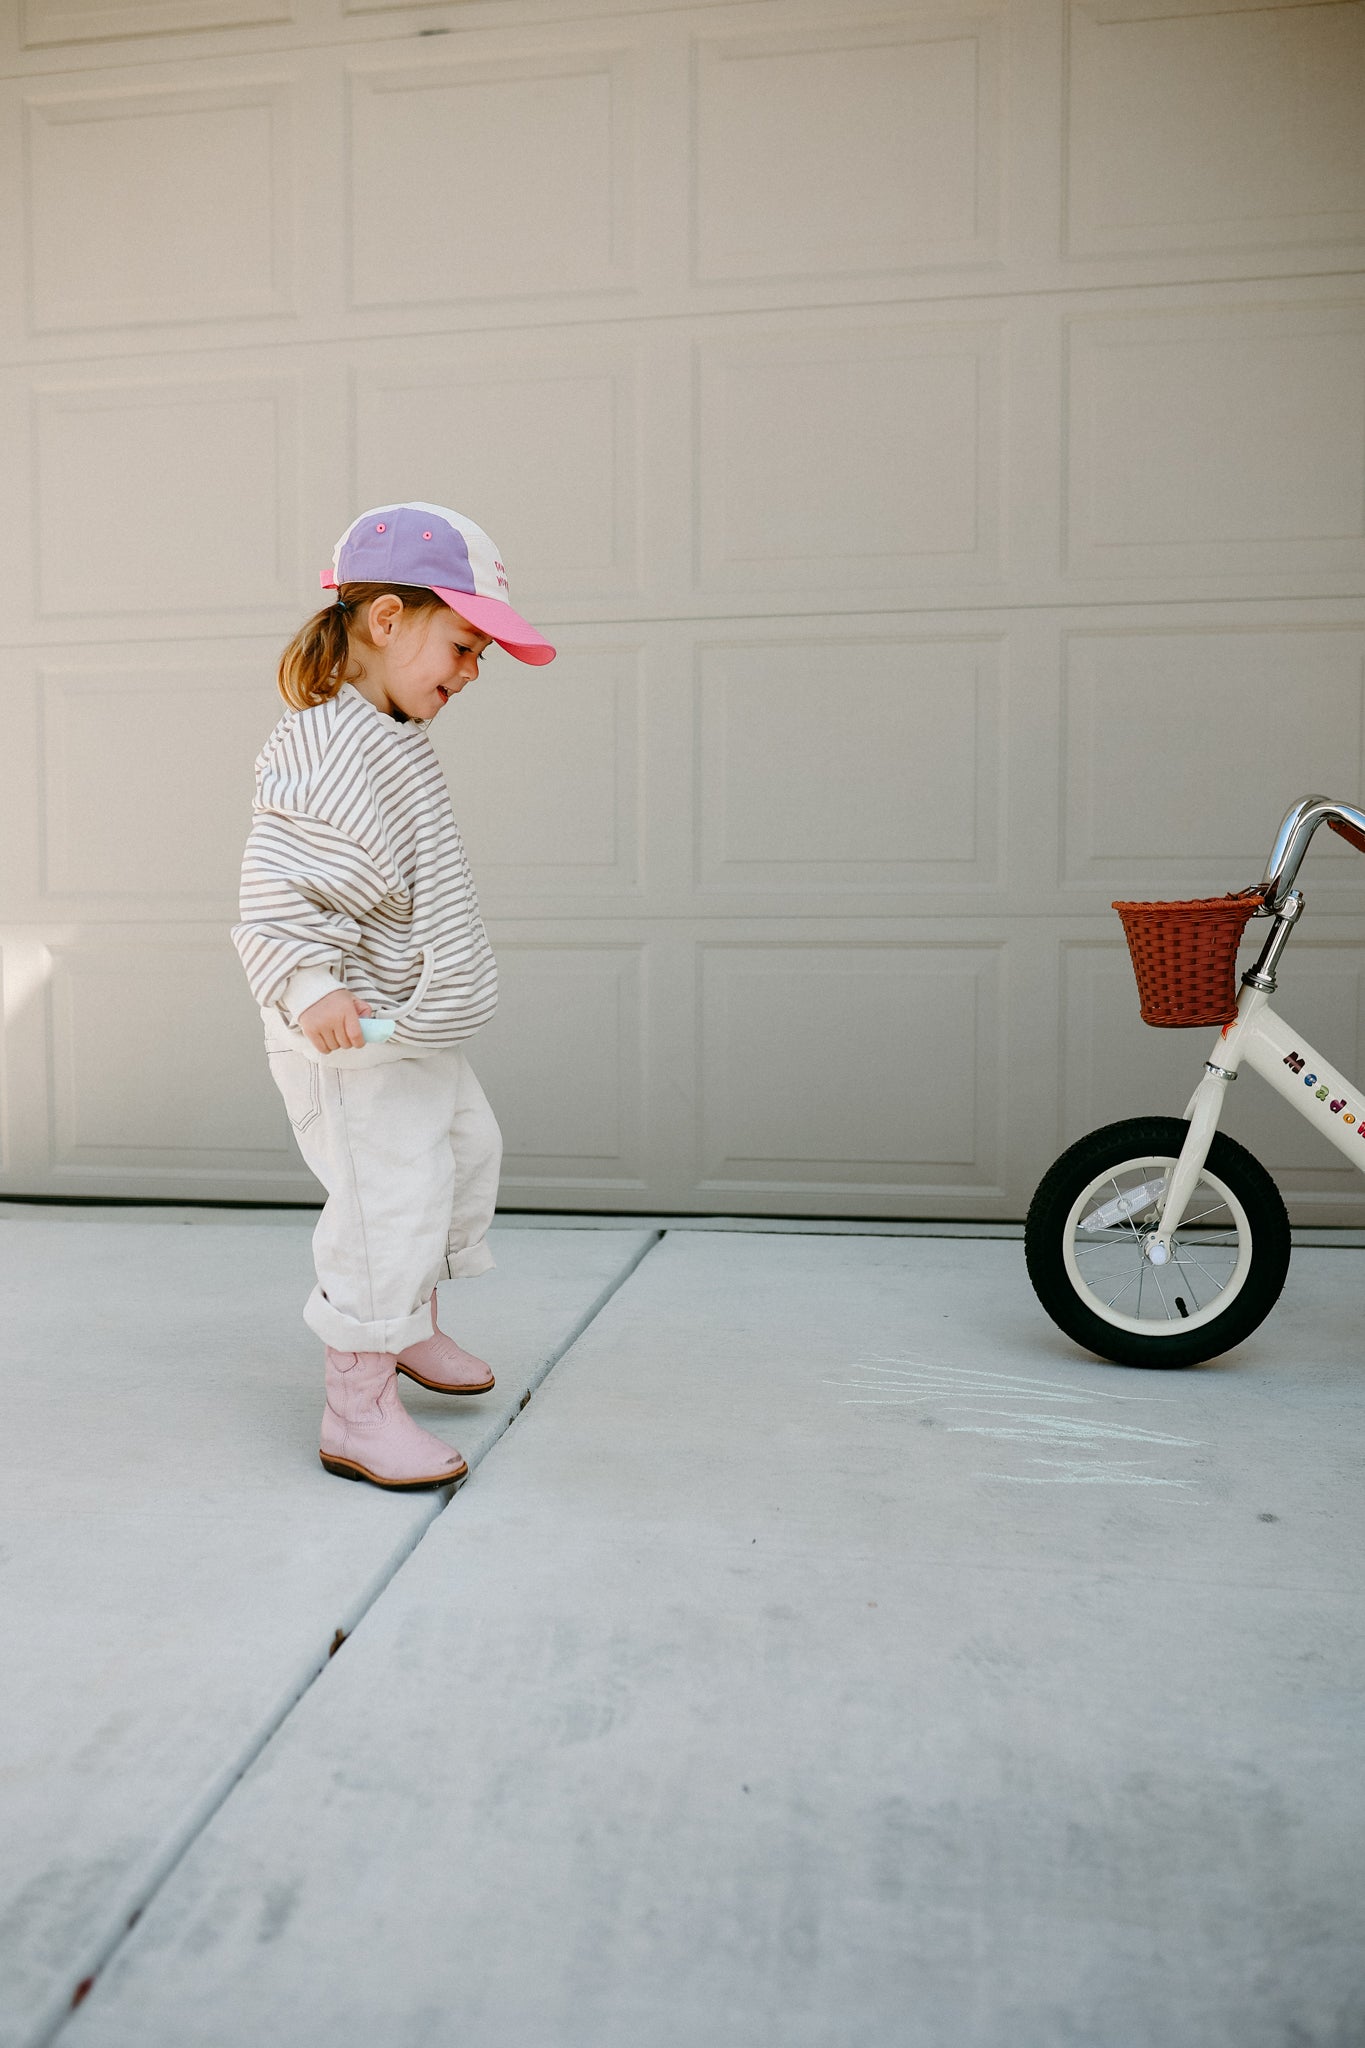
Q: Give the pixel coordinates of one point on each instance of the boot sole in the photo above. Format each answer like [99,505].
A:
[435,1386]
[344,1469]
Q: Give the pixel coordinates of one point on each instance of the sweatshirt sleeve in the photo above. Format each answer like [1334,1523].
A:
[305,885]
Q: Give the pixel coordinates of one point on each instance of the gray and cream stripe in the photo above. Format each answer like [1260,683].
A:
[355,869]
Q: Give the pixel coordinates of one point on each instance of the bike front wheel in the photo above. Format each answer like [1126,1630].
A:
[1087,1230]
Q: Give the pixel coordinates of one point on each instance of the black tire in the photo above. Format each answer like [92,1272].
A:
[1254,1282]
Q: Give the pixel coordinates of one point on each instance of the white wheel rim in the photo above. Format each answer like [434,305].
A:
[1111,1274]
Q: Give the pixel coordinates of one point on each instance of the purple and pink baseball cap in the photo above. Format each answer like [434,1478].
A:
[433,548]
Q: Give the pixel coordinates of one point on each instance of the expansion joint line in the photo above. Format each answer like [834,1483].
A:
[142,1891]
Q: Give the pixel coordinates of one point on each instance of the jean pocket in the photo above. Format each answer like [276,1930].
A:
[300,1083]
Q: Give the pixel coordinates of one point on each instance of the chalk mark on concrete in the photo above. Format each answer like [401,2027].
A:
[914,1372]
[1013,1408]
[1079,1472]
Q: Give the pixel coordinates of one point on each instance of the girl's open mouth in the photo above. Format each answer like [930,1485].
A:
[443,693]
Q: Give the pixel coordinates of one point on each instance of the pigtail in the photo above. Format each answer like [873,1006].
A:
[313,665]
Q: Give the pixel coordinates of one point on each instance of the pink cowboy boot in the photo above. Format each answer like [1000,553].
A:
[368,1434]
[440,1364]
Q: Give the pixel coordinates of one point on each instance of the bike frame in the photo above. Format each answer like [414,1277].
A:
[1259,1038]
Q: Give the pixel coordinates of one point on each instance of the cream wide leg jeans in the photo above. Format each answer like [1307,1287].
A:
[409,1153]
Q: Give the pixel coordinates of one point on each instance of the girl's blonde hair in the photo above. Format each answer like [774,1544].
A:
[314,665]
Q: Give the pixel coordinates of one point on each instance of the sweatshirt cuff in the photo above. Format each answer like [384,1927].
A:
[306,986]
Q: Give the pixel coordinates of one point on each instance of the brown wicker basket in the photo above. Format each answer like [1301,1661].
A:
[1184,956]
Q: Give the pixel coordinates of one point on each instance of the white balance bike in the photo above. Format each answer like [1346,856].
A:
[1160,1241]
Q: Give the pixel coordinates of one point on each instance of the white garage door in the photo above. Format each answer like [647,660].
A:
[934,436]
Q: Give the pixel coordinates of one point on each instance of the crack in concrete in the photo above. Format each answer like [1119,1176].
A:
[141,1892]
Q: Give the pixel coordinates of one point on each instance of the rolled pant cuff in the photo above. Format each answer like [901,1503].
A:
[344,1333]
[469,1263]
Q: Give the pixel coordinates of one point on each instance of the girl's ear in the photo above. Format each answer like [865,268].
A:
[384,613]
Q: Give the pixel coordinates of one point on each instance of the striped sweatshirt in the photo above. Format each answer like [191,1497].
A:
[354,872]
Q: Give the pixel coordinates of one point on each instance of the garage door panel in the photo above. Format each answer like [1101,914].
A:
[778,191]
[381,8]
[156,1065]
[20,789]
[125,784]
[550,133]
[14,227]
[846,1067]
[104,166]
[146,774]
[563,1064]
[25,1057]
[544,765]
[45,22]
[10,1055]
[1192,126]
[829,762]
[1273,710]
[863,459]
[174,495]
[541,434]
[1220,440]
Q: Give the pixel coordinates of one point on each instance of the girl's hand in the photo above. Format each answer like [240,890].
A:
[334,1023]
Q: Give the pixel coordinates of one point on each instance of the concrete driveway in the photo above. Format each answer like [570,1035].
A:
[830,1656]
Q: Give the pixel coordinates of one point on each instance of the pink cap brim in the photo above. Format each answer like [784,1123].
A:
[490,615]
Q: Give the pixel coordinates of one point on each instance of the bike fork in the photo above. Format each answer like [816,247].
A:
[1204,1109]
[1202,1112]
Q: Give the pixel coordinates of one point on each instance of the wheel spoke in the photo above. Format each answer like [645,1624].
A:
[1219,1284]
[1180,1268]
[1204,1246]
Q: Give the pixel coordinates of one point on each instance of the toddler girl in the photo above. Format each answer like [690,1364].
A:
[357,902]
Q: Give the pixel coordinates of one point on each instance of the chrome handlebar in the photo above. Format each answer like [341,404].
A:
[1291,844]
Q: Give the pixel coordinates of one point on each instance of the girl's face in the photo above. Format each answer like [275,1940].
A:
[420,660]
